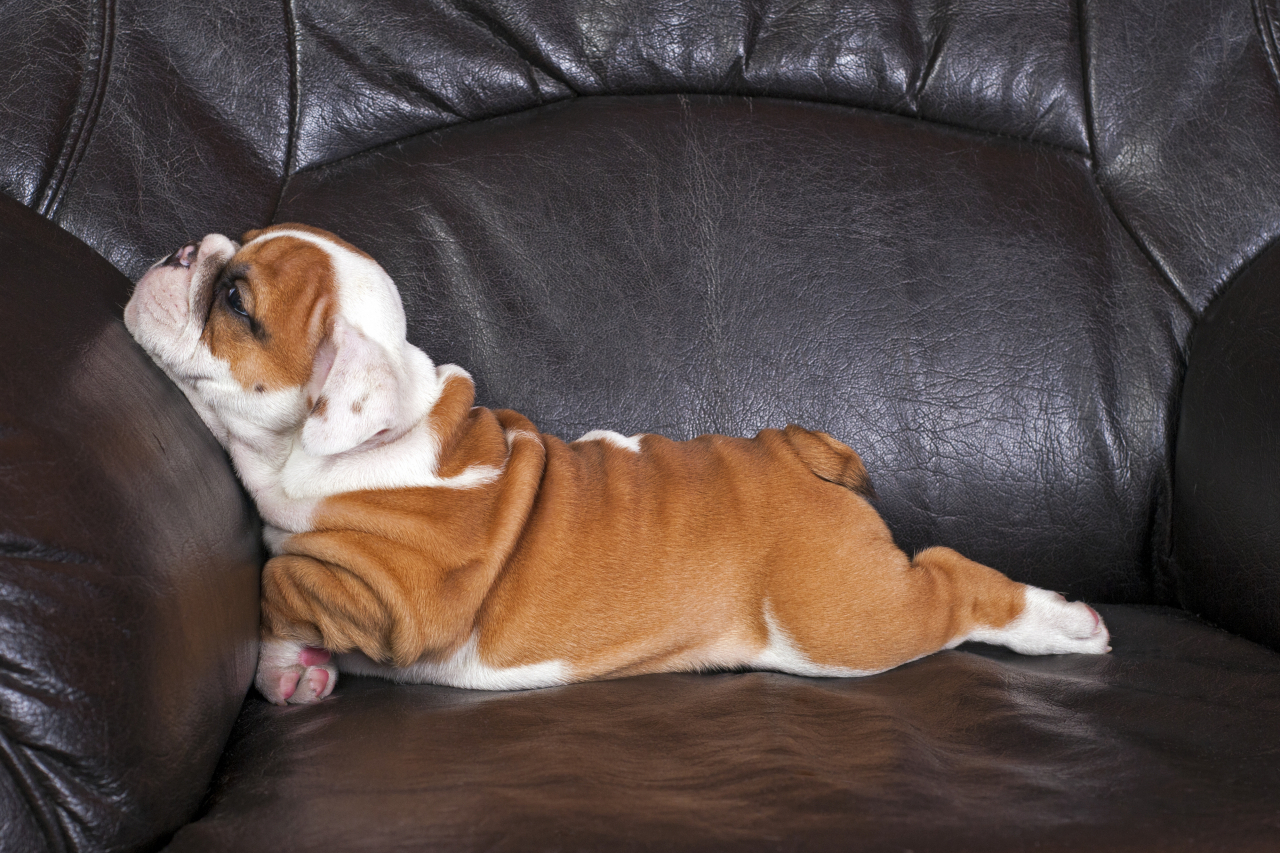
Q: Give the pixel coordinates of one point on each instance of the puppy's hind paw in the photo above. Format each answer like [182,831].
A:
[290,673]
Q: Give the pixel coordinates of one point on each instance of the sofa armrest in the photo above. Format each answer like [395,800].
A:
[128,565]
[1226,504]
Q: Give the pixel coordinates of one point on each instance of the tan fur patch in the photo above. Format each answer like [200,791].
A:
[287,286]
[830,459]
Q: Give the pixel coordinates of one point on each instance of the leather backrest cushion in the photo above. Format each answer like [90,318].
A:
[43,75]
[138,124]
[370,74]
[1185,106]
[128,565]
[965,311]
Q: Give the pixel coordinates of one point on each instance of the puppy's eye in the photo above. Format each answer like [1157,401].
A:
[234,302]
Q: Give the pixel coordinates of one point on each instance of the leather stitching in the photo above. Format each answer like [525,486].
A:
[77,140]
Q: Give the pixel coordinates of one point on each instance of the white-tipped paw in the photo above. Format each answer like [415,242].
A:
[290,673]
[1051,625]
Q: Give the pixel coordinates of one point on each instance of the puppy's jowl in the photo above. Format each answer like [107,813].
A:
[418,537]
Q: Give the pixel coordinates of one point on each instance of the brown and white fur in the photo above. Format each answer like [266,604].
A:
[418,537]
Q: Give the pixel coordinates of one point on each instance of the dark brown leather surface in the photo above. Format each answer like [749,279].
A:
[128,565]
[48,74]
[138,124]
[1168,744]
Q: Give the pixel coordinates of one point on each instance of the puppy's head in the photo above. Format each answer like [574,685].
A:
[292,333]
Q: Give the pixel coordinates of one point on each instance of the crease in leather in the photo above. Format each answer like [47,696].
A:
[500,31]
[750,36]
[24,548]
[77,138]
[13,759]
[1266,20]
[937,45]
[1166,276]
[295,71]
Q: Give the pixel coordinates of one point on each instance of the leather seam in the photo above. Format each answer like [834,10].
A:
[1165,278]
[292,120]
[77,142]
[877,110]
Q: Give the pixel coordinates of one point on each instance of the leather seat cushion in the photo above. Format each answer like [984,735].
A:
[129,561]
[1166,744]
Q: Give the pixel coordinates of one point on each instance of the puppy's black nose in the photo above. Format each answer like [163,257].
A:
[183,257]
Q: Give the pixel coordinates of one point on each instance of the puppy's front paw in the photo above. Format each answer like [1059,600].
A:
[294,674]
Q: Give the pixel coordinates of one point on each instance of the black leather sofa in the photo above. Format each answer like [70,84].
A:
[1018,254]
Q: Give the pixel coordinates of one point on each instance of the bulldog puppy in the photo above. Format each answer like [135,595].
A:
[418,537]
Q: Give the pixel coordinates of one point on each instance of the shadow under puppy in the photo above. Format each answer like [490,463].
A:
[418,537]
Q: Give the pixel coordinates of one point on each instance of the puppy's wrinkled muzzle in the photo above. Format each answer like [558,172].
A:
[184,257]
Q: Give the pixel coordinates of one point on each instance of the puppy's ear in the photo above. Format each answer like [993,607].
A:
[356,392]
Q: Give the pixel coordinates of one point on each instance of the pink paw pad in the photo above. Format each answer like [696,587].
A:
[291,673]
[311,656]
[319,680]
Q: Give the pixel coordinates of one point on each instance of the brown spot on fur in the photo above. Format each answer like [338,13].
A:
[321,406]
[358,406]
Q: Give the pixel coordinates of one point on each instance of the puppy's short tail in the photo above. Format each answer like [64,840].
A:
[832,460]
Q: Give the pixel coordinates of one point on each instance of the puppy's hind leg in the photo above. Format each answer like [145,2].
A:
[1027,619]
[1049,625]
